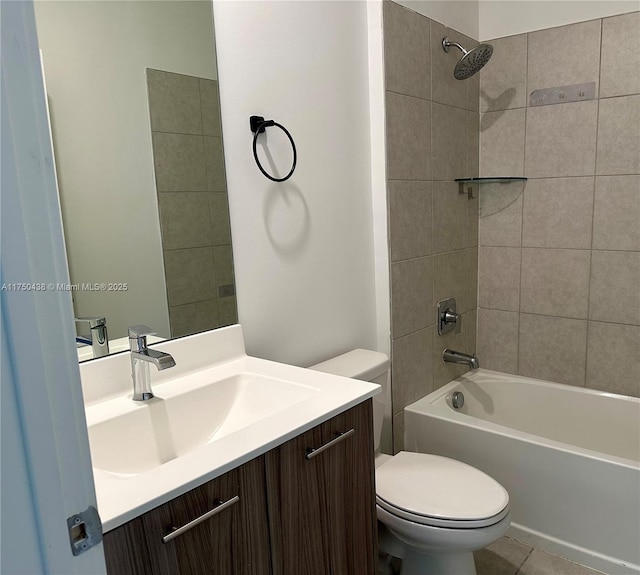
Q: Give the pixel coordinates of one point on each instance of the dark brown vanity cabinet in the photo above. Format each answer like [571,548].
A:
[234,540]
[306,507]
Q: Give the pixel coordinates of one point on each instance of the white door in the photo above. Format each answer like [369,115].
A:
[46,468]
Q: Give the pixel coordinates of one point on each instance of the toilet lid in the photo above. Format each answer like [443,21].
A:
[417,484]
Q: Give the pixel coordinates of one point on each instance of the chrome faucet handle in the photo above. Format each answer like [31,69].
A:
[138,336]
[448,319]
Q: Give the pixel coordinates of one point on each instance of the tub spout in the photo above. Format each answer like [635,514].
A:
[452,356]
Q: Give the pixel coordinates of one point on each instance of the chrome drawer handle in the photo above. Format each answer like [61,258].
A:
[180,530]
[311,453]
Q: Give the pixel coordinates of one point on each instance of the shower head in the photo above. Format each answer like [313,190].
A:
[472,60]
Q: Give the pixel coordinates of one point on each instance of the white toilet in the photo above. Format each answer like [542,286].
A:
[433,511]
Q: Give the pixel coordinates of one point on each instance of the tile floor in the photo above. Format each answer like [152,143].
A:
[510,557]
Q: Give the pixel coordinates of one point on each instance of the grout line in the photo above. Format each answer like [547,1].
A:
[593,208]
[531,550]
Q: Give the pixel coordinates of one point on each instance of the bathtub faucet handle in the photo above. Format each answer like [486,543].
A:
[448,319]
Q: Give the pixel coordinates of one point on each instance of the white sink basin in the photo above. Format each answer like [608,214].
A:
[131,437]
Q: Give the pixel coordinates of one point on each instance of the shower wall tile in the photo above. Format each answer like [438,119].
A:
[445,89]
[564,55]
[194,317]
[220,226]
[560,140]
[228,310]
[409,219]
[408,138]
[190,275]
[412,368]
[179,163]
[615,287]
[473,143]
[503,83]
[449,142]
[607,344]
[432,137]
[450,217]
[214,161]
[406,51]
[471,230]
[196,235]
[619,136]
[471,321]
[210,99]
[454,278]
[499,280]
[620,66]
[398,432]
[223,262]
[553,349]
[555,282]
[498,339]
[412,295]
[174,102]
[502,143]
[578,218]
[616,220]
[502,228]
[184,220]
[558,213]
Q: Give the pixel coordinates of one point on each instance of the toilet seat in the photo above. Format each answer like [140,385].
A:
[440,492]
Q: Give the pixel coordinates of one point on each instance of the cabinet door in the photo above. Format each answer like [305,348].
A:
[322,508]
[232,541]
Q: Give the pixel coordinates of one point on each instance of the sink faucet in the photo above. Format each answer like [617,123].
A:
[453,356]
[97,337]
[141,357]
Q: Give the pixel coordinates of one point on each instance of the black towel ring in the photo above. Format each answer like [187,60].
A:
[258,125]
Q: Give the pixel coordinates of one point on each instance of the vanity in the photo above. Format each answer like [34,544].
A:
[238,465]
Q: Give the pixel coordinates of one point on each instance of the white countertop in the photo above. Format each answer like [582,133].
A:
[210,356]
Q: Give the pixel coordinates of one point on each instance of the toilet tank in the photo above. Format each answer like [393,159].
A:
[366,365]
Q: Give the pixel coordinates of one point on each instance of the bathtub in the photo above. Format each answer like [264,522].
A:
[568,456]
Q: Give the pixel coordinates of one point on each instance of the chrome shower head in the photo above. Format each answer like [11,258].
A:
[472,60]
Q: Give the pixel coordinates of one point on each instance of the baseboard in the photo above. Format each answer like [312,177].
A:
[604,563]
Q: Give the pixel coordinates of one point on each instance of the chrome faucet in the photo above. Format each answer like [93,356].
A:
[141,357]
[452,356]
[97,337]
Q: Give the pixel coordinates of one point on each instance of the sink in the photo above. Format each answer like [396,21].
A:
[127,437]
[216,409]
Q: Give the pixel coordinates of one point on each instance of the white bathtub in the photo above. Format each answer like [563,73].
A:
[569,457]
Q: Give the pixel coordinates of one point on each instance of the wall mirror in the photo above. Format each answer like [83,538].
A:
[135,119]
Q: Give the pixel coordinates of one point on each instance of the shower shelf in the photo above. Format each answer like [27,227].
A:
[490,180]
[494,180]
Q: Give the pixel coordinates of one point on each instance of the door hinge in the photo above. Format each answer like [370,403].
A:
[85,530]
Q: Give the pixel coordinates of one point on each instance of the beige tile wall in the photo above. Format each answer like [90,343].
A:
[192,201]
[559,260]
[432,138]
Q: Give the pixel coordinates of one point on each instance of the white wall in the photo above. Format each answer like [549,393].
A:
[462,15]
[95,55]
[303,250]
[498,18]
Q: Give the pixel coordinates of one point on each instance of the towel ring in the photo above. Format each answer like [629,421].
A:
[258,125]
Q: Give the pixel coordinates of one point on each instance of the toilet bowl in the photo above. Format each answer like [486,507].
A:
[433,511]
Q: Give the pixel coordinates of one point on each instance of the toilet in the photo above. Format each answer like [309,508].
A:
[433,511]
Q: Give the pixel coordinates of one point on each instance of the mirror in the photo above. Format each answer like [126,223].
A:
[135,120]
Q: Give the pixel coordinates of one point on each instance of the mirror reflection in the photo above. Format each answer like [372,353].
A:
[135,119]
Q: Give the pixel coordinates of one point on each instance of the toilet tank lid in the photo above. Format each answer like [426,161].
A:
[361,364]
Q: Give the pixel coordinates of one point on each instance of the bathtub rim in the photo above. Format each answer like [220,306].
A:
[432,405]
